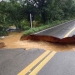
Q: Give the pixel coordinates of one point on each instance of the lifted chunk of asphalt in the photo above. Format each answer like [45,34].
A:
[67,40]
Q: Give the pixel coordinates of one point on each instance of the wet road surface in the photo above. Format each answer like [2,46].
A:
[39,61]
[63,63]
[59,31]
[12,61]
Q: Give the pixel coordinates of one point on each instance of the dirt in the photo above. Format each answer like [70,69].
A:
[2,44]
[13,41]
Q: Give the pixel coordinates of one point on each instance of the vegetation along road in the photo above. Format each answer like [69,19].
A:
[39,61]
[43,14]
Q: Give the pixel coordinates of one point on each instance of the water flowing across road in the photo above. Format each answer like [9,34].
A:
[13,41]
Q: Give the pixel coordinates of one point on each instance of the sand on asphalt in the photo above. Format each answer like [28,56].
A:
[13,41]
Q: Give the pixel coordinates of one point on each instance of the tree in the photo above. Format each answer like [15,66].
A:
[4,16]
[15,13]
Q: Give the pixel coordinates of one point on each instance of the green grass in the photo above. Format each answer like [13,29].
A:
[42,27]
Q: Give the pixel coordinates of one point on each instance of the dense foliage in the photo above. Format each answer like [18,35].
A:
[17,12]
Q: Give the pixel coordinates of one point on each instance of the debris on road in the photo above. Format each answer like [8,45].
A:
[67,40]
[13,41]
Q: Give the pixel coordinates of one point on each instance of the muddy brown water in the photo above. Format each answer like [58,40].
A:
[13,41]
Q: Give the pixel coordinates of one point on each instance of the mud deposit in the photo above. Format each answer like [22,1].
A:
[13,41]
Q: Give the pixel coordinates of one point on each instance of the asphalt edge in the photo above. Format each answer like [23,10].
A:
[54,26]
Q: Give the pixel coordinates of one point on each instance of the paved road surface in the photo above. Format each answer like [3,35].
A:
[38,61]
[63,63]
[14,60]
[59,31]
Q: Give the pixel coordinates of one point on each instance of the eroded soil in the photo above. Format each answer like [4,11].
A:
[13,41]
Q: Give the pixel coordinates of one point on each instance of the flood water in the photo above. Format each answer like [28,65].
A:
[13,41]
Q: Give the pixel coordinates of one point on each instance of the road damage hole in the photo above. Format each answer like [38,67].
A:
[51,43]
[66,40]
[15,42]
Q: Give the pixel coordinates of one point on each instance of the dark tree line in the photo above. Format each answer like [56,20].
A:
[17,12]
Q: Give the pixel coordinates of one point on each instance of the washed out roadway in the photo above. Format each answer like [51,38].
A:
[63,63]
[15,61]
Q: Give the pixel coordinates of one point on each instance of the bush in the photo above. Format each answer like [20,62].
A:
[25,24]
[27,32]
[3,33]
[35,23]
[42,27]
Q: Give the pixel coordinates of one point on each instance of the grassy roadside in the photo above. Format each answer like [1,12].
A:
[42,27]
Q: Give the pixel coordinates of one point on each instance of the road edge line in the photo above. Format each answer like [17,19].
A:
[53,27]
[69,32]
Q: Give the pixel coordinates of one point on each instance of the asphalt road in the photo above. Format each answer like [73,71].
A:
[12,61]
[60,30]
[39,61]
[63,63]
